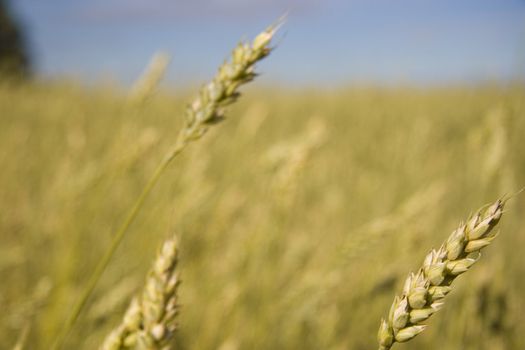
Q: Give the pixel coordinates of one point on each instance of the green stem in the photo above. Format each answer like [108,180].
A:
[104,262]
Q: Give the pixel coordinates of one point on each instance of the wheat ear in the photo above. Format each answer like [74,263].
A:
[125,334]
[149,81]
[149,322]
[159,300]
[424,291]
[207,109]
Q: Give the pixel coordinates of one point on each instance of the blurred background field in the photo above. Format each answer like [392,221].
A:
[375,128]
[298,218]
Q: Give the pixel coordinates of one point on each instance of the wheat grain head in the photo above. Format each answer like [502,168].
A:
[207,109]
[148,82]
[424,291]
[149,322]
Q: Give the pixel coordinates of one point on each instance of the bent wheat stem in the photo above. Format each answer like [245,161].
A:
[205,110]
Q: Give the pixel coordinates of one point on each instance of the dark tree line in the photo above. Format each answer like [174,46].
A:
[14,58]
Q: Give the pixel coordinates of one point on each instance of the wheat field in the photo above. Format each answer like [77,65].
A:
[297,218]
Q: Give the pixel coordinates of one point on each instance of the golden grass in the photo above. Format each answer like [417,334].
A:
[259,274]
[207,109]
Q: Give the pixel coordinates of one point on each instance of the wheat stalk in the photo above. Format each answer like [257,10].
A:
[22,339]
[149,321]
[205,110]
[424,291]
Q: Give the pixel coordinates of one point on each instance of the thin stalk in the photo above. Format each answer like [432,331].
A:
[104,262]
[206,110]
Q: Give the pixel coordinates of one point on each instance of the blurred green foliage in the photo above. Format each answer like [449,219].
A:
[14,57]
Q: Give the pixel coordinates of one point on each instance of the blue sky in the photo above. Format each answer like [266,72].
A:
[329,42]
